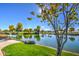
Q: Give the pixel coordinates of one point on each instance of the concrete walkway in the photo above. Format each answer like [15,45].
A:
[5,43]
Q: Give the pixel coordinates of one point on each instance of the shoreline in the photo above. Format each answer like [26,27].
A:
[56,49]
[36,44]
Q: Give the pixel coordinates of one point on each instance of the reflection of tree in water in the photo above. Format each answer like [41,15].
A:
[49,35]
[72,39]
[28,36]
[19,37]
[37,37]
[42,35]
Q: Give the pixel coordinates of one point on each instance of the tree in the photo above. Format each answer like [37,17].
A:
[11,28]
[71,29]
[19,27]
[52,13]
[5,31]
[42,31]
[37,30]
[25,30]
[38,27]
[30,30]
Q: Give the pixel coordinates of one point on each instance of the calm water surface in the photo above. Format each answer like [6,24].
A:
[49,40]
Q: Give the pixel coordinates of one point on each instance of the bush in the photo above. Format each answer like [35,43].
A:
[29,42]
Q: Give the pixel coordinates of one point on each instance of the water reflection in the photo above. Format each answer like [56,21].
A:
[18,37]
[42,35]
[27,36]
[72,43]
[37,37]
[72,39]
[49,35]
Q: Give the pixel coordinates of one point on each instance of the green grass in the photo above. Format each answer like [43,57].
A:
[21,49]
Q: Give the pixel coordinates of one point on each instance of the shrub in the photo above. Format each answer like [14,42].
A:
[29,42]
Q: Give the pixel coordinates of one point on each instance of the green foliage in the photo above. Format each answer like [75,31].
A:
[6,31]
[19,27]
[27,36]
[11,28]
[29,18]
[72,39]
[28,30]
[71,29]
[38,27]
[32,13]
[37,37]
[40,5]
[52,12]
[19,37]
[67,4]
[38,16]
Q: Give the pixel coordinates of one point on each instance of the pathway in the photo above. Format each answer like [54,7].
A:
[5,43]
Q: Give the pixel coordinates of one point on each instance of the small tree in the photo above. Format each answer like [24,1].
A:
[25,30]
[71,29]
[30,30]
[42,31]
[59,17]
[19,27]
[11,28]
[38,29]
[5,31]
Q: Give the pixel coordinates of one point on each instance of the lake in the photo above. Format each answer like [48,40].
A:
[72,43]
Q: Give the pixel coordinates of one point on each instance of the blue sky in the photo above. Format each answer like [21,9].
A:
[14,13]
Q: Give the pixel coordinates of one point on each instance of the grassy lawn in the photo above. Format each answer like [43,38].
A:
[21,49]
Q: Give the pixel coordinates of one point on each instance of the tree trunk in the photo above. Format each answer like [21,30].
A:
[59,46]
[59,51]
